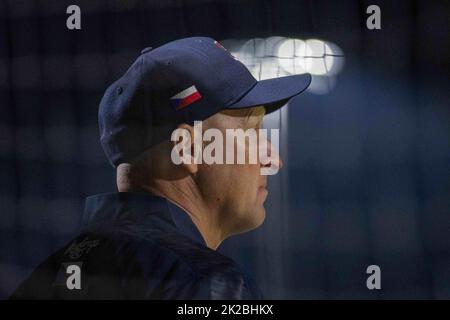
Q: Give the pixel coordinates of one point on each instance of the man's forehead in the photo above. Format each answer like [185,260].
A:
[245,113]
[236,118]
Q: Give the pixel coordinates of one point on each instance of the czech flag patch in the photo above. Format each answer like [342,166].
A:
[185,98]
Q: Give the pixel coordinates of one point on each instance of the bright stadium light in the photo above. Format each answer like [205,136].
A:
[292,53]
[278,56]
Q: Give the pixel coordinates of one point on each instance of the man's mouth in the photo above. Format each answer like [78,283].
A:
[262,191]
[263,185]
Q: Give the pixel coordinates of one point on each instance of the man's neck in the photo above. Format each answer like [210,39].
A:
[185,195]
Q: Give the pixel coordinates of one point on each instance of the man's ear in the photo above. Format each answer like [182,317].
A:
[183,150]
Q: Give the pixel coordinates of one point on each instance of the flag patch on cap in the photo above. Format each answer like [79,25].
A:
[185,98]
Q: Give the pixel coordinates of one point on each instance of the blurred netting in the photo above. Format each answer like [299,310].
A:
[367,160]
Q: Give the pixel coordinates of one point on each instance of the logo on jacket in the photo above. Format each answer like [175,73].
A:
[77,249]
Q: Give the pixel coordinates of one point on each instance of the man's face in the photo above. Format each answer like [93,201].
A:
[238,190]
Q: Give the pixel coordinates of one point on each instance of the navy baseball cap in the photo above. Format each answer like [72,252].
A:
[180,82]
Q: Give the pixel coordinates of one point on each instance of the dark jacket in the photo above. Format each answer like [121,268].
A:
[137,246]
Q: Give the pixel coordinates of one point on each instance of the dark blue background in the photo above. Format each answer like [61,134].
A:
[367,174]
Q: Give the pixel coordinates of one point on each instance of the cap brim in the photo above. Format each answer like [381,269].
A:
[273,93]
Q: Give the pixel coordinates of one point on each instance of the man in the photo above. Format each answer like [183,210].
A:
[156,237]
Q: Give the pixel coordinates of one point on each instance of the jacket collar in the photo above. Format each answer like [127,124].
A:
[108,207]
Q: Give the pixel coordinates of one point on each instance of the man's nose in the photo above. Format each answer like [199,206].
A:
[274,156]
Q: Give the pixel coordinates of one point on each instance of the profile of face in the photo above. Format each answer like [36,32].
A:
[237,190]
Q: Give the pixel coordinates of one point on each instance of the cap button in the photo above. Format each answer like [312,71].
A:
[145,50]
